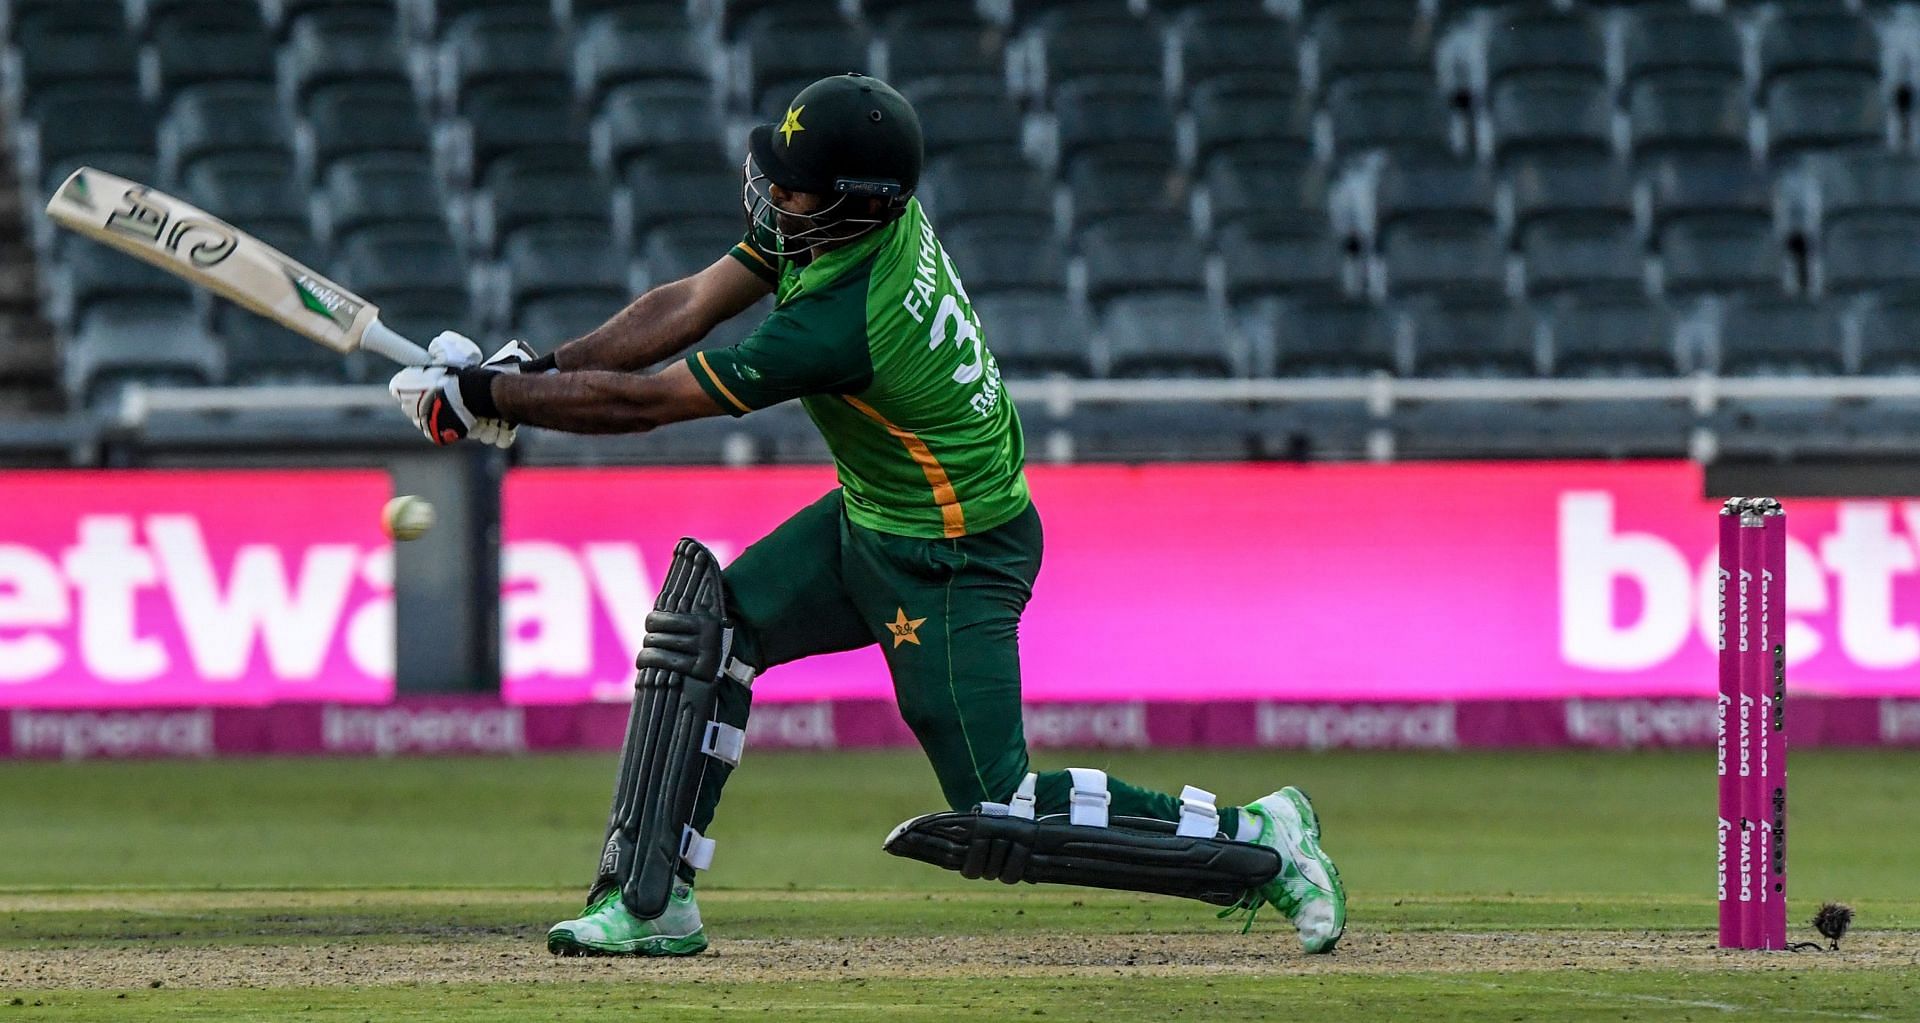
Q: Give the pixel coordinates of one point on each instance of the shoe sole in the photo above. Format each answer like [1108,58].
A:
[563,943]
[1311,821]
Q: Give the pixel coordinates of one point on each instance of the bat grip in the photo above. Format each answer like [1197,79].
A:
[381,340]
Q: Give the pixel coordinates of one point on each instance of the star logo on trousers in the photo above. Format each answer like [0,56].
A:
[903,628]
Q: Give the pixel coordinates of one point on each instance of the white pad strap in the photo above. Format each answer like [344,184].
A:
[724,743]
[739,671]
[695,850]
[1087,804]
[1021,806]
[1199,817]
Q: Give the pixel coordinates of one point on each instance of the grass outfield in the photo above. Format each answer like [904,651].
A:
[1560,886]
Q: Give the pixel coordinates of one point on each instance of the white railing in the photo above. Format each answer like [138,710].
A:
[1703,392]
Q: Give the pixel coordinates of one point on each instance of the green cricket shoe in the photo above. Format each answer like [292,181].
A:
[609,928]
[1308,888]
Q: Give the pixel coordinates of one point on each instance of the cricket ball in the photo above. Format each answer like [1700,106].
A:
[406,517]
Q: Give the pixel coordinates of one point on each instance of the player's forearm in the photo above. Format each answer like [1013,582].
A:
[656,326]
[590,401]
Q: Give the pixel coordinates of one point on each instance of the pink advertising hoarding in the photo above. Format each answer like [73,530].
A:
[1291,583]
[1163,584]
[180,588]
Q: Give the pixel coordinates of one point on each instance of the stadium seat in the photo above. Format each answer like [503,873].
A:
[1558,115]
[156,16]
[439,18]
[993,258]
[534,121]
[193,53]
[91,274]
[36,19]
[288,13]
[665,189]
[1525,41]
[501,52]
[521,194]
[1779,337]
[1265,258]
[414,260]
[1370,40]
[1483,338]
[735,16]
[54,54]
[685,247]
[787,52]
[1399,113]
[1611,337]
[350,46]
[942,45]
[1434,190]
[1824,110]
[1865,254]
[1238,115]
[1707,184]
[353,120]
[1076,44]
[1318,337]
[1243,188]
[965,117]
[1454,260]
[1722,253]
[1219,43]
[80,124]
[1660,43]
[624,47]
[1868,186]
[259,351]
[224,117]
[1034,334]
[1113,119]
[424,314]
[990,189]
[1588,258]
[1127,257]
[553,320]
[672,119]
[376,190]
[1571,188]
[1167,334]
[552,260]
[1104,187]
[1829,42]
[1890,336]
[250,190]
[1685,114]
[146,340]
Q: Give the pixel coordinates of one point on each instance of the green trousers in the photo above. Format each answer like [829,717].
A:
[946,613]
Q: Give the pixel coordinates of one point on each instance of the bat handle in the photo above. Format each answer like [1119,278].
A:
[381,340]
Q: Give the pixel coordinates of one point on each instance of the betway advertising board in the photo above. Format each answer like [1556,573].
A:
[1236,585]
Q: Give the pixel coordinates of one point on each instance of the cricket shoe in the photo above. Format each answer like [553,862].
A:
[609,928]
[1308,888]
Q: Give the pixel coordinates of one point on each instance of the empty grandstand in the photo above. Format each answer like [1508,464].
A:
[1212,229]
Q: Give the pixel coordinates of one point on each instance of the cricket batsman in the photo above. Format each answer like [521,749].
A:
[929,547]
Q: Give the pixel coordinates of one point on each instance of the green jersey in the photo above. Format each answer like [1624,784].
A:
[880,344]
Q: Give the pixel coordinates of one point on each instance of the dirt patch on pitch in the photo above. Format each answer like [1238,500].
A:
[489,960]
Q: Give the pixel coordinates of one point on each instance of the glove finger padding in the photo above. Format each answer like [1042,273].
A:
[452,349]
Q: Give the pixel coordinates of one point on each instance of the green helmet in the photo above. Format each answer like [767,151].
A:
[845,137]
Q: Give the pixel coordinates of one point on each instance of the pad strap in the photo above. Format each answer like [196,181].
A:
[1022,804]
[1088,802]
[724,743]
[1199,817]
[696,849]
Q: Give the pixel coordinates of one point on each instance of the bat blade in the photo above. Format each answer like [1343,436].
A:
[191,243]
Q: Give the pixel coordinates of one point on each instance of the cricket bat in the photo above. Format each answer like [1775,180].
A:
[191,243]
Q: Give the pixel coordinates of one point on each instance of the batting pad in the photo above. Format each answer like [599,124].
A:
[1130,854]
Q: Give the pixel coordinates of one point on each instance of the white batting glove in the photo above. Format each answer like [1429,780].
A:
[458,351]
